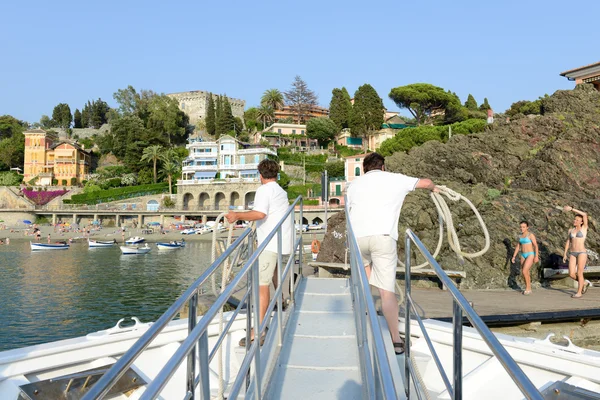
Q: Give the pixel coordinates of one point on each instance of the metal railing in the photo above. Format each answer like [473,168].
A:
[195,348]
[375,364]
[460,306]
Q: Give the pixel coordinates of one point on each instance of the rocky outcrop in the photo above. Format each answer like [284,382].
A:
[524,169]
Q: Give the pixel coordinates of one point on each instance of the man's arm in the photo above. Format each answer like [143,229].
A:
[426,184]
[233,216]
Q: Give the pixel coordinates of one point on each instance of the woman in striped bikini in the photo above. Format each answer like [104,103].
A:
[575,250]
[528,246]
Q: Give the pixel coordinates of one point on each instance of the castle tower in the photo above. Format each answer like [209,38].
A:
[195,103]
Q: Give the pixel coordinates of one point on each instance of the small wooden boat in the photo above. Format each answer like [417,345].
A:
[99,243]
[135,249]
[135,240]
[170,245]
[49,246]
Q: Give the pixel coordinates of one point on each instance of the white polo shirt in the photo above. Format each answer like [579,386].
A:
[271,200]
[375,200]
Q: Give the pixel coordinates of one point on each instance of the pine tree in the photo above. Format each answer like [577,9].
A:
[228,120]
[340,108]
[485,105]
[219,117]
[300,98]
[471,104]
[77,119]
[211,127]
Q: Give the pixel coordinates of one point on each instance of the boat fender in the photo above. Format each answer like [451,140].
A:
[117,329]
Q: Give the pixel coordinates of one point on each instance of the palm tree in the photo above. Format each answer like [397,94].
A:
[265,114]
[272,98]
[152,153]
[170,169]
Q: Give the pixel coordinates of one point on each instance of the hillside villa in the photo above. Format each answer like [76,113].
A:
[50,161]
[586,74]
[280,135]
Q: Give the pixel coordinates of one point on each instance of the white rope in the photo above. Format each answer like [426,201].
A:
[453,241]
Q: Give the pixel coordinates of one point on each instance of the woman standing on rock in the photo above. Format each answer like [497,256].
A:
[528,246]
[575,250]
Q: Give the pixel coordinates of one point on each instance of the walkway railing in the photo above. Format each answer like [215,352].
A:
[460,306]
[375,365]
[195,347]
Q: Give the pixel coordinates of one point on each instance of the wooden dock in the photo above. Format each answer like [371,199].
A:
[509,307]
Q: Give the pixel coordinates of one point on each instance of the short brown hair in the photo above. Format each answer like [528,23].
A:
[268,169]
[373,161]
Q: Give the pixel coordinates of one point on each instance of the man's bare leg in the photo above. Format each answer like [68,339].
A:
[264,297]
[390,312]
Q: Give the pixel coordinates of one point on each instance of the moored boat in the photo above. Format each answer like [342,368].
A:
[100,243]
[135,240]
[135,249]
[49,246]
[170,245]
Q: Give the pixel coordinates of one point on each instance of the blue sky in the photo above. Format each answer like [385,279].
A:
[73,51]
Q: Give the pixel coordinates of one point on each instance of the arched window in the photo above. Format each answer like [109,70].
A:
[357,171]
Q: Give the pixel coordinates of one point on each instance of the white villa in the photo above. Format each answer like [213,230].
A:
[225,159]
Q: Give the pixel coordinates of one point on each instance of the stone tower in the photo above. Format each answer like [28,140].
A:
[194,104]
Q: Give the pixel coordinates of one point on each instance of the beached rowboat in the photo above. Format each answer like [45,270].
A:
[170,245]
[49,246]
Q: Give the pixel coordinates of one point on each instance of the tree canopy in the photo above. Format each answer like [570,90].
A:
[210,121]
[471,104]
[300,98]
[421,99]
[340,108]
[323,129]
[367,112]
[272,98]
[61,116]
[485,105]
[12,142]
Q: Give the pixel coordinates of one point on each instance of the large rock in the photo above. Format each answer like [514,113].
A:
[522,170]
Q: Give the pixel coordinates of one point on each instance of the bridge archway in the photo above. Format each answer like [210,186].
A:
[317,221]
[249,199]
[234,199]
[203,200]
[187,200]
[220,202]
[304,221]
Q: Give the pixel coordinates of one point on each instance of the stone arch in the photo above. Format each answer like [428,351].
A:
[220,202]
[249,198]
[304,221]
[187,200]
[334,201]
[203,200]
[317,221]
[234,199]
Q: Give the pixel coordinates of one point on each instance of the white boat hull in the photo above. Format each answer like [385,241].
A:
[168,246]
[135,249]
[93,243]
[43,246]
[135,240]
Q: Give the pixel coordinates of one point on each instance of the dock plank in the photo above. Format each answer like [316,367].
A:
[497,306]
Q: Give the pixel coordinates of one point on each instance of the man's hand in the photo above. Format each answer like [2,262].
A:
[565,258]
[435,189]
[231,217]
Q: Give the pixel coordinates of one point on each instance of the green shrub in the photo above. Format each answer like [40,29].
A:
[294,191]
[54,182]
[167,202]
[104,196]
[10,179]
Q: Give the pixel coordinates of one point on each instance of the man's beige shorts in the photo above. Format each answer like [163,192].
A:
[267,261]
[380,252]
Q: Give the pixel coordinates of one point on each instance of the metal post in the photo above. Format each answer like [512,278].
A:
[256,295]
[407,316]
[457,347]
[191,359]
[249,286]
[280,280]
[204,371]
[326,200]
[300,256]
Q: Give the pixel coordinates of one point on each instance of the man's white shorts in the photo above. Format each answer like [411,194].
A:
[267,261]
[380,252]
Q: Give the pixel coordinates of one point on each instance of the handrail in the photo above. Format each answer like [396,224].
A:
[197,332]
[460,305]
[376,369]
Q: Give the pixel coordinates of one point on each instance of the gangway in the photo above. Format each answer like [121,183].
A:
[328,343]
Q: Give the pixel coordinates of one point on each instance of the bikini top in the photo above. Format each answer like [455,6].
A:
[525,240]
[579,234]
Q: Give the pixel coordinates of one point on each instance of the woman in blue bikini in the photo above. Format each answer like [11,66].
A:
[527,244]
[575,250]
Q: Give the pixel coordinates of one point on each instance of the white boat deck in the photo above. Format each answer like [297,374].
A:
[319,357]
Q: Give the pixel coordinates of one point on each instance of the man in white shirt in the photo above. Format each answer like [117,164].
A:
[374,203]
[270,204]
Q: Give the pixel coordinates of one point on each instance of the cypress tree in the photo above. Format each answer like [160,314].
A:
[340,108]
[471,104]
[211,127]
[367,112]
[77,119]
[219,117]
[228,120]
[485,105]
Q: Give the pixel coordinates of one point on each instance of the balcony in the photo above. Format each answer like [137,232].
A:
[263,150]
[192,168]
[216,181]
[208,154]
[238,166]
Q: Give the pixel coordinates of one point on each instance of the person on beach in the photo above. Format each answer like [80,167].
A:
[528,249]
[575,250]
[374,202]
[270,205]
[48,238]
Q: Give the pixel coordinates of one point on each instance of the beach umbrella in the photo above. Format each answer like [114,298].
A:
[153,223]
[26,221]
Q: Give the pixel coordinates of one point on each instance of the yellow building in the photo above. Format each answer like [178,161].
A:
[49,159]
